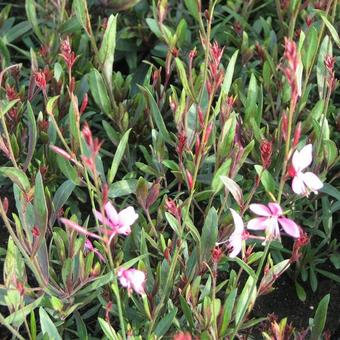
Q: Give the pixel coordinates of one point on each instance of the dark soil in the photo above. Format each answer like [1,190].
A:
[283,302]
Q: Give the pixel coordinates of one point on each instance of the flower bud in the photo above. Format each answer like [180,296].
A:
[297,134]
[189,179]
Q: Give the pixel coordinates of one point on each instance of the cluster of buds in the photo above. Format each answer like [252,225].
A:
[226,108]
[299,243]
[217,253]
[84,104]
[181,144]
[67,54]
[173,208]
[291,68]
[266,148]
[216,74]
[331,81]
[40,81]
[94,146]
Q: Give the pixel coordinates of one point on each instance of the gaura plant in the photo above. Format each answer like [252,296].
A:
[154,199]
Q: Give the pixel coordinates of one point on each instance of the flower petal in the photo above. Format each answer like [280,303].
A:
[298,186]
[260,209]
[78,228]
[258,223]
[102,219]
[302,159]
[275,209]
[312,181]
[235,242]
[290,227]
[127,217]
[111,212]
[238,223]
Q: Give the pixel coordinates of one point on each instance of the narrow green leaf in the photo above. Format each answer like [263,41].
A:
[118,156]
[47,325]
[320,317]
[31,13]
[156,114]
[209,234]
[32,135]
[99,92]
[17,176]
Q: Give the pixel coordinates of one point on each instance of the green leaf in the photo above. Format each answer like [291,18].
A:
[60,198]
[40,206]
[246,299]
[16,32]
[164,325]
[107,49]
[32,135]
[99,92]
[331,29]
[321,71]
[108,329]
[234,189]
[311,49]
[67,169]
[228,78]
[81,327]
[47,325]
[79,7]
[320,317]
[156,114]
[251,106]
[118,156]
[187,311]
[217,183]
[183,77]
[17,176]
[209,234]
[192,6]
[31,13]
[300,291]
[266,178]
[5,106]
[123,188]
[227,312]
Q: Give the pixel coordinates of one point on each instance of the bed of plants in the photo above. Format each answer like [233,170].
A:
[169,169]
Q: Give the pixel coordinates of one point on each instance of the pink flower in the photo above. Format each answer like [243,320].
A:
[237,237]
[119,223]
[304,182]
[132,279]
[271,217]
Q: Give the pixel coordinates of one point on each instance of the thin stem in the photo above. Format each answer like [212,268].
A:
[246,305]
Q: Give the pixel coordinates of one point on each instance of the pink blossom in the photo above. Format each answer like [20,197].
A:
[119,223]
[271,217]
[237,237]
[132,279]
[304,182]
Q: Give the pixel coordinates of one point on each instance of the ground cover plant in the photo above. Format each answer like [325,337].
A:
[169,169]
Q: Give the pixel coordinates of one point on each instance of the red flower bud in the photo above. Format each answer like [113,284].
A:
[284,126]
[5,204]
[189,179]
[266,149]
[297,134]
[217,254]
[35,231]
[84,103]
[200,116]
